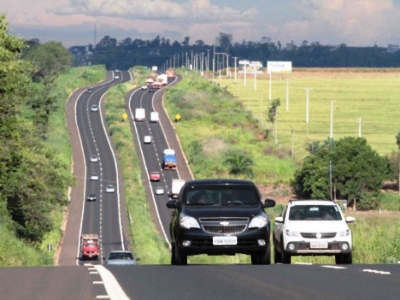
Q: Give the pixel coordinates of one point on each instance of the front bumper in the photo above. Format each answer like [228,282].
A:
[196,241]
[305,248]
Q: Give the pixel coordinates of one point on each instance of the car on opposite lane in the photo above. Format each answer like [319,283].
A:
[94,176]
[91,197]
[94,107]
[121,258]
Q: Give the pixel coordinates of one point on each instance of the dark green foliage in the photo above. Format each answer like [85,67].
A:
[50,60]
[358,172]
[273,108]
[239,163]
[31,177]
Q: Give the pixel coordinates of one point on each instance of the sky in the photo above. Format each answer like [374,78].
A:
[329,22]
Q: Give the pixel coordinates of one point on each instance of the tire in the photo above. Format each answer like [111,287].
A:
[344,259]
[180,258]
[338,259]
[263,258]
[277,256]
[285,258]
[173,254]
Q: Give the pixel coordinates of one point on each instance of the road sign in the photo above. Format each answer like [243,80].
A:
[177,117]
[124,116]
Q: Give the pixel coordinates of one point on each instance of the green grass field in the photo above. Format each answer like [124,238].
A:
[348,94]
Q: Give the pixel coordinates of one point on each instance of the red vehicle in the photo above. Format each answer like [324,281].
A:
[90,246]
[155,176]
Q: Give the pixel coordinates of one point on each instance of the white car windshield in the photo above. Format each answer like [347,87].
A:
[314,212]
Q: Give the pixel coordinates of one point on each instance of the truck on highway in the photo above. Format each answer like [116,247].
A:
[176,186]
[89,246]
[154,117]
[163,79]
[170,75]
[169,160]
[140,114]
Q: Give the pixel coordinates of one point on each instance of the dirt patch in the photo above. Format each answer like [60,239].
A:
[281,193]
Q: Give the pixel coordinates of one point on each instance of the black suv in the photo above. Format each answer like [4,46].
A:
[220,217]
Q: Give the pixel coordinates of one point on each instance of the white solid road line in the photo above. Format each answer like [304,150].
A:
[114,290]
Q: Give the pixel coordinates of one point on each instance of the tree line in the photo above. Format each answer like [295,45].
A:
[129,52]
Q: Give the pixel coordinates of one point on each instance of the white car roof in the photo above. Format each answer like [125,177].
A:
[311,202]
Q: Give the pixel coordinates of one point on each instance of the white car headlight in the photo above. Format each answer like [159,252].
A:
[259,221]
[188,222]
[344,233]
[292,233]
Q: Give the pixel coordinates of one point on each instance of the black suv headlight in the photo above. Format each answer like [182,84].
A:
[259,221]
[188,222]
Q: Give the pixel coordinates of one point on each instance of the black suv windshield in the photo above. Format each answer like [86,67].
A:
[314,212]
[221,195]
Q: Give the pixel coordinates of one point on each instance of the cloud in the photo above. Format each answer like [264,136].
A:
[168,10]
[353,22]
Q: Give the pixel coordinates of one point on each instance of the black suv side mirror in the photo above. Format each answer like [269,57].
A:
[269,203]
[173,204]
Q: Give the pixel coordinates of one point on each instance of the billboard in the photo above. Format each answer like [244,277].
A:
[279,66]
[250,67]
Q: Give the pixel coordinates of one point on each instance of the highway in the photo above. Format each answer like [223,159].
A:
[89,136]
[164,137]
[69,281]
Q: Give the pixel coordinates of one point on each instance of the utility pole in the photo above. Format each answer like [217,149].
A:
[307,105]
[330,179]
[331,123]
[292,143]
[235,57]
[287,94]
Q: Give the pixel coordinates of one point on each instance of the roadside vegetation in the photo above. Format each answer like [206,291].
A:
[223,124]
[35,157]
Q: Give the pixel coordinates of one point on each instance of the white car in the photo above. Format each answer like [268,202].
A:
[312,227]
[110,188]
[159,190]
[94,108]
[94,158]
[144,87]
[94,176]
[121,258]
[147,139]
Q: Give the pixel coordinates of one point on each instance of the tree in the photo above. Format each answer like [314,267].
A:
[185,42]
[273,108]
[357,171]
[239,163]
[31,177]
